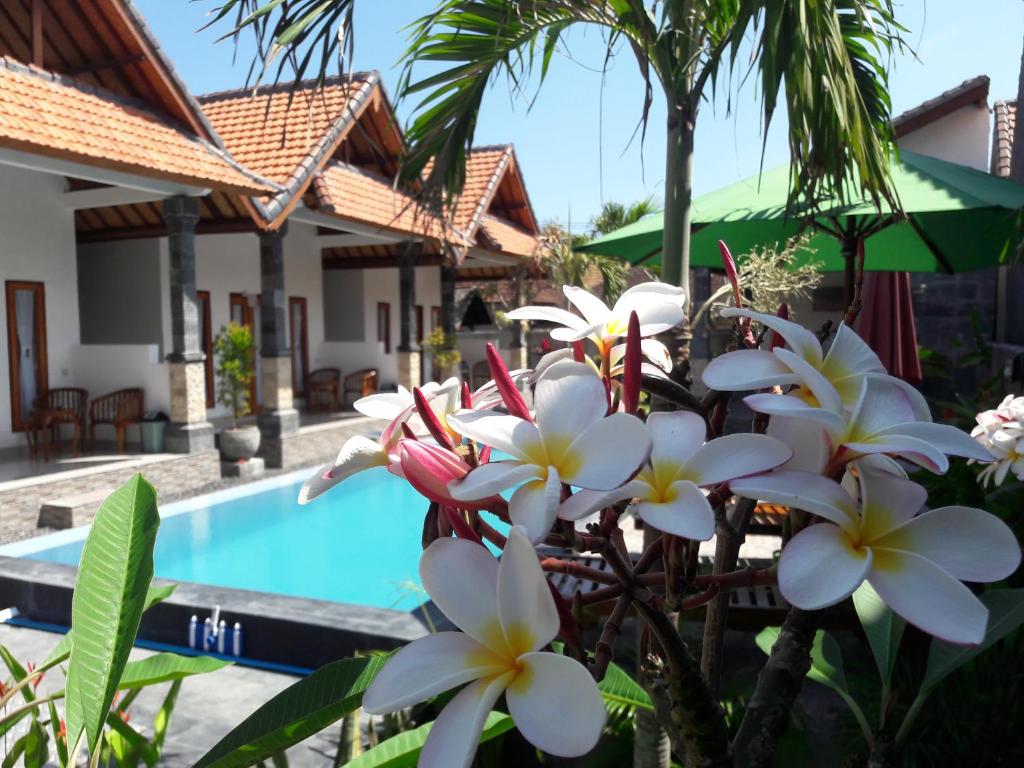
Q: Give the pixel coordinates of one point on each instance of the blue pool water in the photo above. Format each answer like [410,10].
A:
[359,543]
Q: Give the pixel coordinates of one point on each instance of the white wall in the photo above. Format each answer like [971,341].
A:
[103,368]
[37,243]
[379,285]
[960,137]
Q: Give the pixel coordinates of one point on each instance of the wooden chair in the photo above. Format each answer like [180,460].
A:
[120,409]
[480,374]
[323,389]
[63,405]
[361,383]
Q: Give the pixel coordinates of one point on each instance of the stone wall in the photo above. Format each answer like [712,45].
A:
[173,477]
[315,444]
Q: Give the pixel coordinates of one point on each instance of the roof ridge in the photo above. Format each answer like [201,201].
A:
[491,148]
[369,75]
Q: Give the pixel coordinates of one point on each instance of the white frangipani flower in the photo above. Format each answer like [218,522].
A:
[889,417]
[658,306]
[848,361]
[658,359]
[506,614]
[913,561]
[573,442]
[1001,432]
[668,489]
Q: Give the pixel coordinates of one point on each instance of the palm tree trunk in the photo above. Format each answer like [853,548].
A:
[675,254]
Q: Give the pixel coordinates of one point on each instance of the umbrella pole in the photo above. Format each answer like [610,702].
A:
[850,268]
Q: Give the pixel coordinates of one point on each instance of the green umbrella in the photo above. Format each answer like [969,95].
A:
[957,219]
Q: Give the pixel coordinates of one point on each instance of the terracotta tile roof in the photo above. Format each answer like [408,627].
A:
[1002,137]
[973,91]
[286,134]
[359,195]
[484,166]
[507,237]
[44,113]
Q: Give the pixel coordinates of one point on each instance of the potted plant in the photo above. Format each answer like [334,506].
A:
[234,350]
[442,348]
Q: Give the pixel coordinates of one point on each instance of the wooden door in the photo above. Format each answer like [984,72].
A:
[242,314]
[299,332]
[26,348]
[206,344]
[384,325]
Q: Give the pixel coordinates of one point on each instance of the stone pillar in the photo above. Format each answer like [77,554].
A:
[189,431]
[518,353]
[408,356]
[278,418]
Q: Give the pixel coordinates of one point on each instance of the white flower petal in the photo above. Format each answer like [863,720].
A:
[943,437]
[850,355]
[799,339]
[385,405]
[455,735]
[568,399]
[688,514]
[807,440]
[801,490]
[819,567]
[609,452]
[917,402]
[556,705]
[812,380]
[664,291]
[577,334]
[967,543]
[461,578]
[789,406]
[746,369]
[549,314]
[879,462]
[584,503]
[910,448]
[883,403]
[675,435]
[655,316]
[928,597]
[734,456]
[528,615]
[534,505]
[594,310]
[429,666]
[490,479]
[887,502]
[500,431]
[359,453]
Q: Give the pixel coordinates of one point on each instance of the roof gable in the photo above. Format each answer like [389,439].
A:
[973,91]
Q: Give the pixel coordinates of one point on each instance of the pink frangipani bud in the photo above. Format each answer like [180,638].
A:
[631,371]
[511,396]
[429,469]
[430,420]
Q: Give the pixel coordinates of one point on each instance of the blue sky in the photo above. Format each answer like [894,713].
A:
[574,153]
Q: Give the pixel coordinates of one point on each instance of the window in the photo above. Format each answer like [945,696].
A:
[384,325]
[26,348]
[435,318]
[299,342]
[206,344]
[419,324]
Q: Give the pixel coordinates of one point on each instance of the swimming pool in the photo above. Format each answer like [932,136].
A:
[358,544]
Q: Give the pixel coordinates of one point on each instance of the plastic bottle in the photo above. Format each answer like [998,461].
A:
[193,629]
[207,633]
[236,640]
[222,630]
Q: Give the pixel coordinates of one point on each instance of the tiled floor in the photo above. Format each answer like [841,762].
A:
[16,465]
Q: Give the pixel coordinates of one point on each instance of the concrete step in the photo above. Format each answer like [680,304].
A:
[72,511]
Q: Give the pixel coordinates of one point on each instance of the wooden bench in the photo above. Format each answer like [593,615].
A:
[72,511]
[120,409]
[361,383]
[323,389]
[63,405]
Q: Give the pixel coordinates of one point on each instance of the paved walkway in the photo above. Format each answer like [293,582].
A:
[208,707]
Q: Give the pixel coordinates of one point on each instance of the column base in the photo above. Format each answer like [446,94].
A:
[274,427]
[196,437]
[409,369]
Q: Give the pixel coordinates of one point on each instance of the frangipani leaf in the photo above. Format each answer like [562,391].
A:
[165,667]
[296,713]
[884,629]
[619,688]
[110,594]
[403,750]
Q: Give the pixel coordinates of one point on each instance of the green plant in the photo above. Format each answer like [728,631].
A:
[112,591]
[442,348]
[235,351]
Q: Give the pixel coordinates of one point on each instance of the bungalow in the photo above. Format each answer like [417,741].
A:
[138,220]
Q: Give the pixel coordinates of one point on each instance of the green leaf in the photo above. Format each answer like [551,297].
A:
[110,593]
[31,746]
[163,717]
[619,688]
[163,667]
[403,750]
[156,594]
[129,742]
[296,713]
[59,744]
[1005,614]
[884,629]
[18,672]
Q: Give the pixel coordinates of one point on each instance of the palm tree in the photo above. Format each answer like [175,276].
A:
[825,57]
[615,215]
